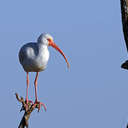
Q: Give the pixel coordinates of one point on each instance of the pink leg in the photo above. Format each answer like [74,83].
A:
[27,88]
[36,98]
[35,83]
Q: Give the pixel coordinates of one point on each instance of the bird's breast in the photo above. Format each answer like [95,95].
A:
[39,62]
[42,58]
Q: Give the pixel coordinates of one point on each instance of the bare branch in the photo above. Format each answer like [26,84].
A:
[28,108]
[124,13]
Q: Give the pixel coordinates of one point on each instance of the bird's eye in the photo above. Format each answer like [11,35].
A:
[49,39]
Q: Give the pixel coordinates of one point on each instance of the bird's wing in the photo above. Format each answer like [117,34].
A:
[124,12]
[23,53]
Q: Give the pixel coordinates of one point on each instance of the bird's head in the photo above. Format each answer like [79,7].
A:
[44,39]
[47,39]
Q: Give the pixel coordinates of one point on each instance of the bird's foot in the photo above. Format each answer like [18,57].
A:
[27,103]
[38,105]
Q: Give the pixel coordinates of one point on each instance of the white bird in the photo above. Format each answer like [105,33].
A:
[34,57]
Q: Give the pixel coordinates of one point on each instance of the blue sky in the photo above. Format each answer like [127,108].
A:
[94,92]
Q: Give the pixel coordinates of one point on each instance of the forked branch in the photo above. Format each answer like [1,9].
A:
[28,108]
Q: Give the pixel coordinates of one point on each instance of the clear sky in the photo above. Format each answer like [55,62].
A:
[94,92]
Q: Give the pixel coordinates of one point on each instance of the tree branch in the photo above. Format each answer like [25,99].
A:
[28,108]
[124,14]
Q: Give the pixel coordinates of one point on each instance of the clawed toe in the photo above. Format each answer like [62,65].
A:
[28,101]
[39,104]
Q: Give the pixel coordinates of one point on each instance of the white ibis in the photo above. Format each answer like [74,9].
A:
[34,57]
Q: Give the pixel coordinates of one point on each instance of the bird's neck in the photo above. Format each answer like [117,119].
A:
[42,48]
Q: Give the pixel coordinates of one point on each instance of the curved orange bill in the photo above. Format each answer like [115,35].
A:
[51,43]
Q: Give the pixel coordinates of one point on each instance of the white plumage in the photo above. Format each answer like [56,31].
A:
[34,56]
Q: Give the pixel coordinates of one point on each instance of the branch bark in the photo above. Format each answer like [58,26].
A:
[124,14]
